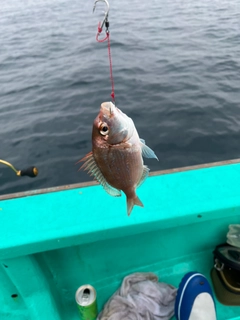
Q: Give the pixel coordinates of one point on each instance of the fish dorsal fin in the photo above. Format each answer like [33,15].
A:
[144,175]
[91,167]
[146,151]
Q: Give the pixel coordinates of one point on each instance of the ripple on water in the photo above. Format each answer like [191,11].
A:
[176,67]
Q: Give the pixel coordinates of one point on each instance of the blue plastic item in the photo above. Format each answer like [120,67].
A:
[191,287]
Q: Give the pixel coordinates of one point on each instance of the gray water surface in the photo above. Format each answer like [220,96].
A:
[176,67]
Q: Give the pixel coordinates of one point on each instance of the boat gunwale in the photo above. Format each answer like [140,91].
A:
[95,183]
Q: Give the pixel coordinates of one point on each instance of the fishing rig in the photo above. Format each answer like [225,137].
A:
[31,172]
[107,38]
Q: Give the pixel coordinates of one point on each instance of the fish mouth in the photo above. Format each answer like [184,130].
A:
[108,108]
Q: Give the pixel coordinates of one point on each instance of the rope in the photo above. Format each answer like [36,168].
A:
[109,56]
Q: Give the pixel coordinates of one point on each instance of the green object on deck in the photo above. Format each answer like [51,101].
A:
[52,243]
[86,300]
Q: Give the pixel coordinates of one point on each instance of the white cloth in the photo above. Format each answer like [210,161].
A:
[140,297]
[233,235]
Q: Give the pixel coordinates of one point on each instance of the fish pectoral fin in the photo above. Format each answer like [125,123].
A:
[91,167]
[133,202]
[144,176]
[146,151]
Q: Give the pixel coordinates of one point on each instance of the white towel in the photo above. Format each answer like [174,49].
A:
[233,235]
[140,297]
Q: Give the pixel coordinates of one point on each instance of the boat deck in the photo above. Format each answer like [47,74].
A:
[53,241]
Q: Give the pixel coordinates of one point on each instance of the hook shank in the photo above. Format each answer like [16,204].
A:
[105,13]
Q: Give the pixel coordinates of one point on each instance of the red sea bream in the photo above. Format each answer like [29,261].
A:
[116,158]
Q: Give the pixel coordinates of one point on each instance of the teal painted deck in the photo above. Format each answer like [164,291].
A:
[52,243]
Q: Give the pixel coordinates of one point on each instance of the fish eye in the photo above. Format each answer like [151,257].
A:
[104,130]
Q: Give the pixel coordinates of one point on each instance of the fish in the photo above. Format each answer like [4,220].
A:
[116,158]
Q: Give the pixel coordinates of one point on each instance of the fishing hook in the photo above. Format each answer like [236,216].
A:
[105,20]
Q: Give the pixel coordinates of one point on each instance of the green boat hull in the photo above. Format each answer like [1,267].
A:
[55,240]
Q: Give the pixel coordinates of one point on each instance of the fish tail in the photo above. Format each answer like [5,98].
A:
[131,202]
